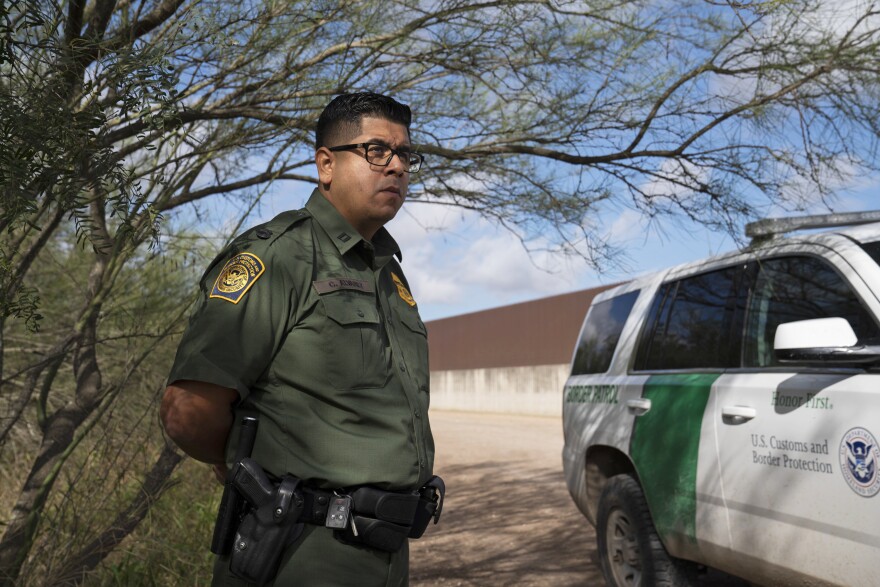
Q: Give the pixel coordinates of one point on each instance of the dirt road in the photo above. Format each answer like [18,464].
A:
[508,519]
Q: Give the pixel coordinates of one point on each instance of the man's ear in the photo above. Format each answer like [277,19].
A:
[324,161]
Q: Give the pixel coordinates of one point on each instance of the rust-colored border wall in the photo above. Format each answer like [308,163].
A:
[539,332]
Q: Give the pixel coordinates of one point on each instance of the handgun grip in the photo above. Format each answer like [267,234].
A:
[250,481]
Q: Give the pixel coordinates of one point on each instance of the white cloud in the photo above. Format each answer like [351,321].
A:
[841,17]
[458,262]
[850,191]
[629,225]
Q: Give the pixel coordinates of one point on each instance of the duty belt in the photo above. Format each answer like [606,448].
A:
[364,515]
[322,507]
[375,517]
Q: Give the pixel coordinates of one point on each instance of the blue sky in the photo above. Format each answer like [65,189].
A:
[457,262]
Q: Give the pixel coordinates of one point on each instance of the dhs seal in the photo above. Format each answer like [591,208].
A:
[859,456]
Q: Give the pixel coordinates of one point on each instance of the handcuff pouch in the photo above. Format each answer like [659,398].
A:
[429,506]
[378,534]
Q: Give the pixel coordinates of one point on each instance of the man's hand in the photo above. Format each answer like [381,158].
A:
[220,473]
[198,416]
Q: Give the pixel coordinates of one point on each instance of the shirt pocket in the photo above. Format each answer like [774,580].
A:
[415,344]
[354,349]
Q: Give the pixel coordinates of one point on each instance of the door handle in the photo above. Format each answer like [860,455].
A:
[739,413]
[638,406]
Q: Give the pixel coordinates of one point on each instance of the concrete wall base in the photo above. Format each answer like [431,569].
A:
[535,390]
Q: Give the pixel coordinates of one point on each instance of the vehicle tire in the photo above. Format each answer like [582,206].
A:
[630,551]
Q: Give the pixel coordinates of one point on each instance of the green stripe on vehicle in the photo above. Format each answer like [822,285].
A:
[665,446]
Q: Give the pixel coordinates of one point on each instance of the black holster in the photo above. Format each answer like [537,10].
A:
[231,505]
[269,526]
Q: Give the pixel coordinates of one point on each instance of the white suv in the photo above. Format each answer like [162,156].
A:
[726,414]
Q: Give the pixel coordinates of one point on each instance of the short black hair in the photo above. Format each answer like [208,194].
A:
[341,118]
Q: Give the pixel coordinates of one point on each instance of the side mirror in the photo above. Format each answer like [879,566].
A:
[829,341]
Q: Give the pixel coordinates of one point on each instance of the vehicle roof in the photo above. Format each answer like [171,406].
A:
[865,233]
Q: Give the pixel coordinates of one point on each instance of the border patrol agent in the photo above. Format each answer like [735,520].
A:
[307,324]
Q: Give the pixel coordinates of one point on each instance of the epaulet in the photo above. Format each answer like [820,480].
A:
[270,231]
[243,264]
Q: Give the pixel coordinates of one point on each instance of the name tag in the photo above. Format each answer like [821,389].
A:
[329,285]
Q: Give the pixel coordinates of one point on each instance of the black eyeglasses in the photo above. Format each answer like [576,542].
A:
[381,155]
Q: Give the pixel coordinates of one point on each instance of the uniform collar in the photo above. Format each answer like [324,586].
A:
[343,234]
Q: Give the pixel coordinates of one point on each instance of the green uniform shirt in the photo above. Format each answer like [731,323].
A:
[316,329]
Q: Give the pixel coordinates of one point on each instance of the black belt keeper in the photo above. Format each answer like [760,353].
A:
[315,504]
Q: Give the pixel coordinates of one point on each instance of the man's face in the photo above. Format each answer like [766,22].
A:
[366,195]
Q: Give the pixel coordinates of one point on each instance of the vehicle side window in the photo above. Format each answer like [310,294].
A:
[873,249]
[691,322]
[601,333]
[788,289]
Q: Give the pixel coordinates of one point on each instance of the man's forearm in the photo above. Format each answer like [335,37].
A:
[197,416]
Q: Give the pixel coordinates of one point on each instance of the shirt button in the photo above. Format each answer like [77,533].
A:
[417,414]
[422,464]
[360,313]
[402,367]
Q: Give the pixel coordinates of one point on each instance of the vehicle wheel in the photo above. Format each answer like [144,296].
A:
[630,552]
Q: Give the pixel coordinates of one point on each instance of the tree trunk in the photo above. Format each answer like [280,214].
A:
[59,437]
[56,358]
[19,535]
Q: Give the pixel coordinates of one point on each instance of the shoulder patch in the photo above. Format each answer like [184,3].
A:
[237,277]
[402,291]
